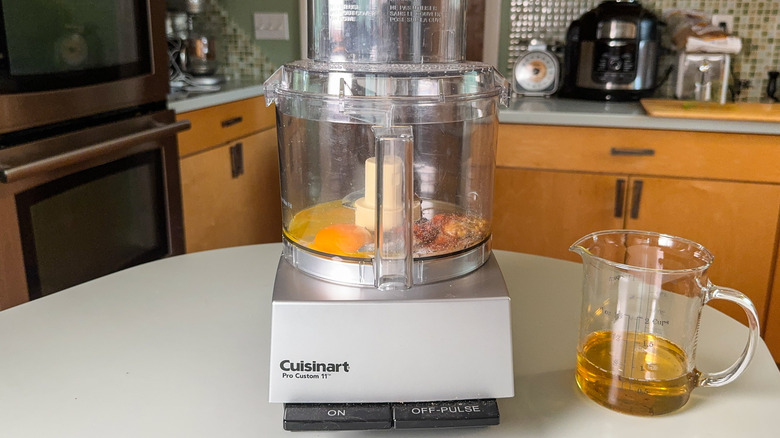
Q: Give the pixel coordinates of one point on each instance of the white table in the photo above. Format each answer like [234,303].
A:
[179,348]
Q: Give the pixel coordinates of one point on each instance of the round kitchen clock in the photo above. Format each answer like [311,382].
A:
[536,71]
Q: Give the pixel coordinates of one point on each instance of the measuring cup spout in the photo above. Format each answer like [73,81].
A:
[581,251]
[585,245]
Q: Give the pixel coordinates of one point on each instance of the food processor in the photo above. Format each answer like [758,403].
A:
[388,310]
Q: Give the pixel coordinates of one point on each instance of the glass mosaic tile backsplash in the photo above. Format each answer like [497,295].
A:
[757,23]
[239,56]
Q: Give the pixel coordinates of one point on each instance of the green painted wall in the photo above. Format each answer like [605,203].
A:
[503,38]
[278,52]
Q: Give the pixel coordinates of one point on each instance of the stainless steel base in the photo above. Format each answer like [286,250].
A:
[333,343]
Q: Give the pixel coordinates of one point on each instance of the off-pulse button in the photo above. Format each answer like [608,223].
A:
[461,413]
[337,416]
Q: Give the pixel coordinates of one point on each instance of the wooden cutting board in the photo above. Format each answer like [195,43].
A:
[691,109]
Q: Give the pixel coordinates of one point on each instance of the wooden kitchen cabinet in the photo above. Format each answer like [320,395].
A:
[555,184]
[230,189]
[736,221]
[543,212]
[772,329]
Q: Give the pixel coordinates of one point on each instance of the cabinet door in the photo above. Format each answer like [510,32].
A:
[263,204]
[222,209]
[772,326]
[543,212]
[737,222]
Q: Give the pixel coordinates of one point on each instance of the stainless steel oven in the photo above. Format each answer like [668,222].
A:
[70,59]
[89,175]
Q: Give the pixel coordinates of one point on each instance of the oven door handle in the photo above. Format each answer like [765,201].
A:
[47,164]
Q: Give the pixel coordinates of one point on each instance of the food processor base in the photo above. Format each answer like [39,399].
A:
[338,344]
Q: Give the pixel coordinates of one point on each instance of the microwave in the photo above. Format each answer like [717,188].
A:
[70,59]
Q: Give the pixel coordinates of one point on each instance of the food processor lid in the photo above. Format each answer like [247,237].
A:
[421,82]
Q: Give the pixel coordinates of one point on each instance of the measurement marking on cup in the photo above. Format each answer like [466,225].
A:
[654,321]
[620,315]
[618,277]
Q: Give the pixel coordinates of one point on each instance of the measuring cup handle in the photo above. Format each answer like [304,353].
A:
[732,372]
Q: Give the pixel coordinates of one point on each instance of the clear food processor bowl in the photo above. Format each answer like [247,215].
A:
[424,213]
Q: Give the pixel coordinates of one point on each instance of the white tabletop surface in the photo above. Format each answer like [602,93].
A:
[180,347]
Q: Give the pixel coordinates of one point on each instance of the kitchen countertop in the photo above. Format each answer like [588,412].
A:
[181,347]
[573,112]
[521,110]
[230,91]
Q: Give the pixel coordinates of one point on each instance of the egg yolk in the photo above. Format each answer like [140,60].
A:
[342,239]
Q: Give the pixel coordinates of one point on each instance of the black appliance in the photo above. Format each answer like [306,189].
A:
[89,174]
[612,53]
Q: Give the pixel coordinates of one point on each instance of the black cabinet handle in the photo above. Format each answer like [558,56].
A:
[771,86]
[634,152]
[232,121]
[636,198]
[237,160]
[620,192]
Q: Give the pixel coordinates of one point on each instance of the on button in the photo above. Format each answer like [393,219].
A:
[337,416]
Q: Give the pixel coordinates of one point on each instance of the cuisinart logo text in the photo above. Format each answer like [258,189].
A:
[311,370]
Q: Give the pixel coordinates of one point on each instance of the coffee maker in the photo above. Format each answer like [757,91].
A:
[389,310]
[612,52]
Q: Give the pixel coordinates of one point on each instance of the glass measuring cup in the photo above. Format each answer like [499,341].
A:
[643,293]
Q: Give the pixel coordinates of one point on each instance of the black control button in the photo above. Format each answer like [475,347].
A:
[337,416]
[446,414]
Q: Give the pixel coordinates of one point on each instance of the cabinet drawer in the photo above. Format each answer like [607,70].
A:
[224,123]
[710,155]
